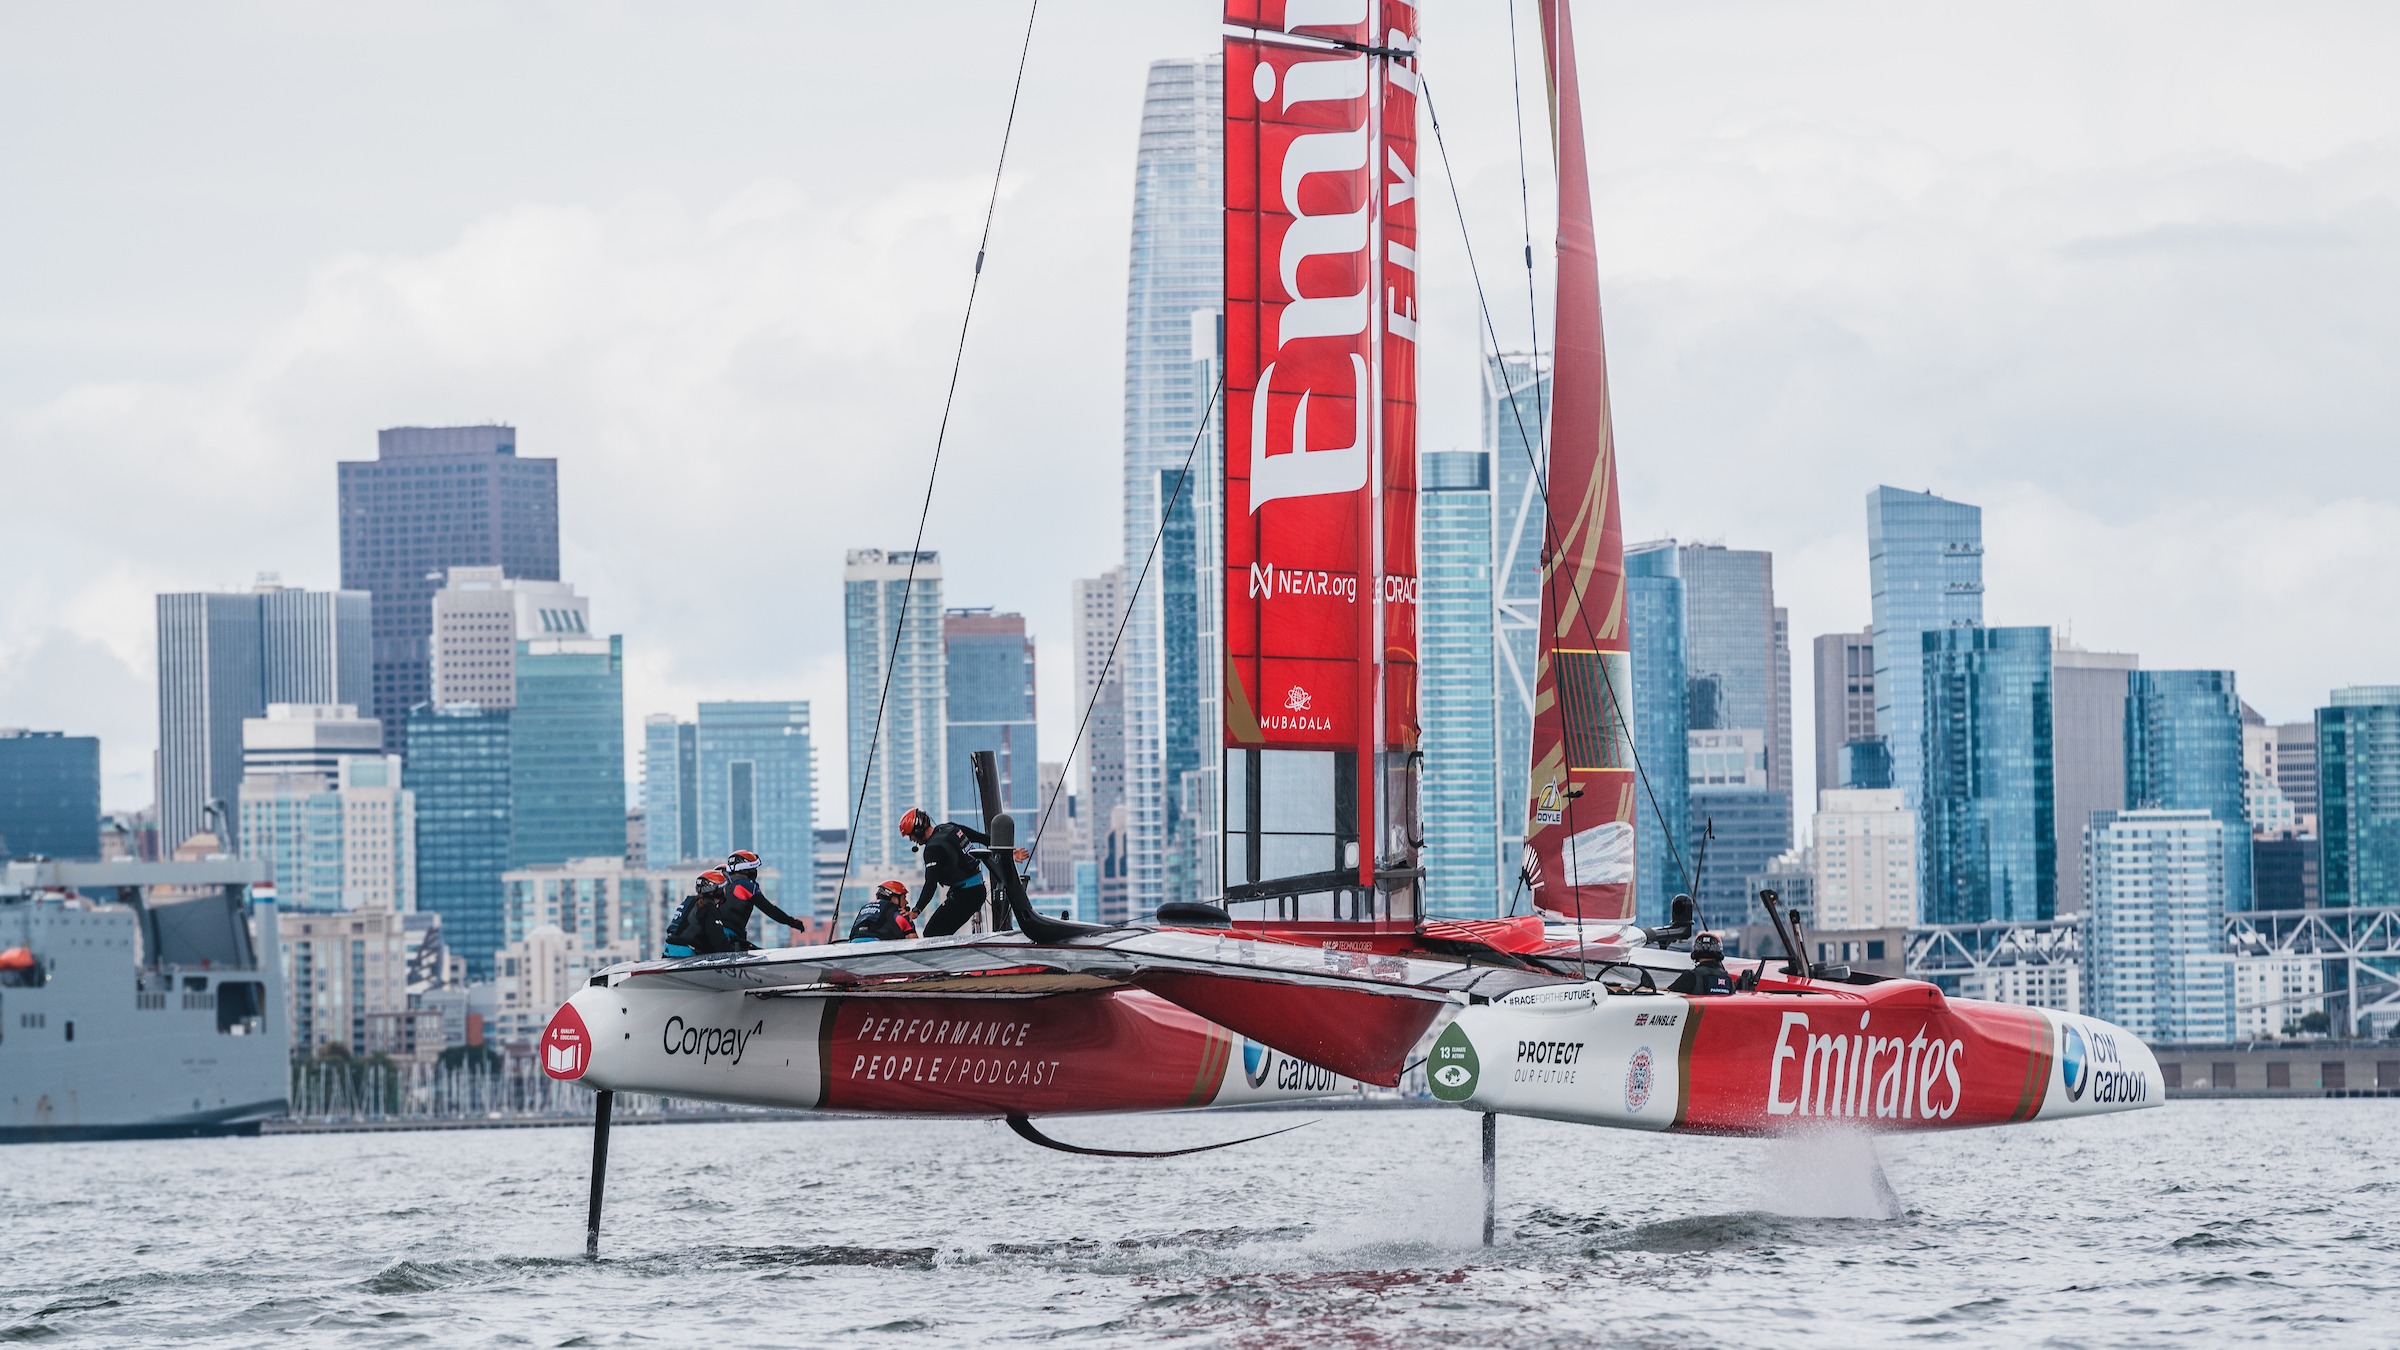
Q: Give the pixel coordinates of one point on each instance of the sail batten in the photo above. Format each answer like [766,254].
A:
[1579,834]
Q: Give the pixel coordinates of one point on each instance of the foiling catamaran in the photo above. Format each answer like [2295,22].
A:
[1319,965]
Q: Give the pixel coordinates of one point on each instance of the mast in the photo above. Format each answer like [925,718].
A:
[1579,832]
[1320,460]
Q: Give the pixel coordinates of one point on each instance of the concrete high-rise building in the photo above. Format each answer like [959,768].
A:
[343,974]
[2087,749]
[2183,751]
[1662,808]
[49,795]
[1099,706]
[2269,811]
[988,704]
[344,839]
[878,597]
[1845,700]
[307,738]
[1460,791]
[2358,796]
[2296,771]
[1058,825]
[2154,961]
[566,758]
[757,783]
[670,791]
[458,767]
[1988,813]
[432,499]
[1925,564]
[1176,273]
[222,658]
[1516,408]
[480,616]
[1865,841]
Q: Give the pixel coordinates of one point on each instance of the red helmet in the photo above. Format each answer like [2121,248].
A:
[711,881]
[740,861]
[891,889]
[914,822]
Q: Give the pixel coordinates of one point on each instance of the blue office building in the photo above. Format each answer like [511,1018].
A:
[1454,684]
[1662,804]
[567,751]
[670,791]
[1516,407]
[2183,752]
[988,705]
[458,766]
[2358,796]
[1986,796]
[755,774]
[49,795]
[1925,564]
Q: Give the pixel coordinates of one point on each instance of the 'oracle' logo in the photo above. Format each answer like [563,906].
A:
[566,1045]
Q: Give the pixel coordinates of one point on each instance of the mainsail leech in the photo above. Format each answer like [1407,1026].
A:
[1580,808]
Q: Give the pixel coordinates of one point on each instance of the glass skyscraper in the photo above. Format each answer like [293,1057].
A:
[222,658]
[756,779]
[432,499]
[670,791]
[1175,271]
[876,589]
[988,692]
[1516,408]
[1990,843]
[1454,676]
[1925,564]
[2358,796]
[567,751]
[2154,959]
[458,766]
[1662,801]
[49,795]
[2183,751]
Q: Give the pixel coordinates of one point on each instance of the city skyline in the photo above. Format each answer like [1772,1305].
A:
[216,453]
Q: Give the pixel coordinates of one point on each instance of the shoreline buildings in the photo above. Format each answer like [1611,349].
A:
[879,596]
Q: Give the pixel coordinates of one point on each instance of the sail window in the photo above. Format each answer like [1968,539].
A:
[1595,692]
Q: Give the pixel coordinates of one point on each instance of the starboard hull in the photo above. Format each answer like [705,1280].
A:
[1886,1057]
[942,1055]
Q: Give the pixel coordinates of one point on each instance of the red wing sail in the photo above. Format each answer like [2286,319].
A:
[1579,834]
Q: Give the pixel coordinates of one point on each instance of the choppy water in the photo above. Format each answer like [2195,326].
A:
[2200,1222]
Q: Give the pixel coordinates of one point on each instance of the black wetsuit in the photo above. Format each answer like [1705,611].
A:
[885,919]
[1706,979]
[742,896]
[948,864]
[698,926]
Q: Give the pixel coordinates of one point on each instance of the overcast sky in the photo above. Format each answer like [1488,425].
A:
[2128,276]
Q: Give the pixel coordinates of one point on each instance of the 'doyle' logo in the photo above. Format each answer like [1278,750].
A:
[1452,1068]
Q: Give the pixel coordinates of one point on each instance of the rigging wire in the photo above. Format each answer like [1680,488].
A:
[958,358]
[1125,612]
[1541,480]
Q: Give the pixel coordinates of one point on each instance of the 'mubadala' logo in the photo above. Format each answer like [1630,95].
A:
[2074,1061]
[1298,699]
[1257,1060]
[1452,1067]
[1639,1077]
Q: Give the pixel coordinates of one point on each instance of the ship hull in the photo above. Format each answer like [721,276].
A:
[936,1055]
[1896,1056]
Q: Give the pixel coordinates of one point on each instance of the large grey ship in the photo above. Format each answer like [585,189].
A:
[138,1000]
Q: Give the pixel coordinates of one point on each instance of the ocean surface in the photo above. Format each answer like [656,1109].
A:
[2206,1223]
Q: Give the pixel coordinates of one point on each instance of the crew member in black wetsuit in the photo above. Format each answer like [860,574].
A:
[742,895]
[949,865]
[698,927]
[1707,977]
[886,917]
